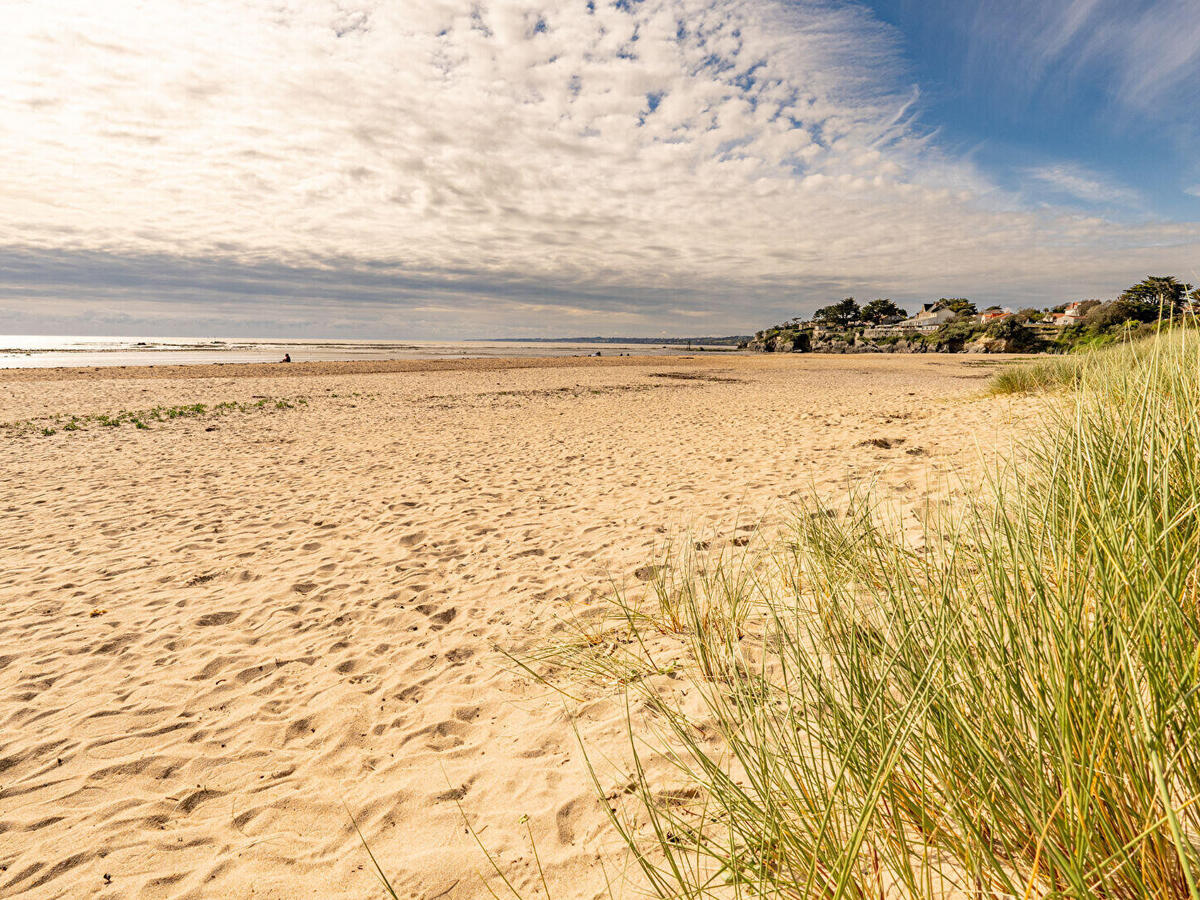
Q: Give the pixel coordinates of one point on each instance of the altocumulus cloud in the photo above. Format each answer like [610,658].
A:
[427,167]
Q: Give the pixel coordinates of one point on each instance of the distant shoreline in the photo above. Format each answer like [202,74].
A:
[330,367]
[66,351]
[733,340]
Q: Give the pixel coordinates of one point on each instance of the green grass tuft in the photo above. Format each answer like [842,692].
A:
[1036,376]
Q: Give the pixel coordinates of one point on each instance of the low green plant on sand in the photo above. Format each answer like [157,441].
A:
[141,419]
[1007,708]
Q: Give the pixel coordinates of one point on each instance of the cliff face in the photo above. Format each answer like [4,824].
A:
[859,344]
[784,341]
[987,344]
[806,342]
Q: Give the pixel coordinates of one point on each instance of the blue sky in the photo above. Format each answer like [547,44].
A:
[1022,86]
[443,168]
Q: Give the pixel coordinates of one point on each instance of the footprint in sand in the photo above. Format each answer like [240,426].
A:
[301,728]
[468,713]
[442,617]
[881,443]
[194,799]
[217,618]
[444,736]
[411,540]
[567,820]
[454,794]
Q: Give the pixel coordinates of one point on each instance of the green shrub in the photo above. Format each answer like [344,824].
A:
[1020,338]
[954,334]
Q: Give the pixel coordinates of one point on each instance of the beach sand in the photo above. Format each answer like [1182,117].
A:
[224,634]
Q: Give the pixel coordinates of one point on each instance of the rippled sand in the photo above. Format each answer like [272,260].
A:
[224,633]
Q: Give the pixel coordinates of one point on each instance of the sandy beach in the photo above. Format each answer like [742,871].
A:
[226,633]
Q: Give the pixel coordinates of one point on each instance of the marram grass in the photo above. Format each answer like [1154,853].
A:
[1009,708]
[1044,374]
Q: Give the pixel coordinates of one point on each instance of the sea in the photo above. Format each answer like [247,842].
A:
[49,351]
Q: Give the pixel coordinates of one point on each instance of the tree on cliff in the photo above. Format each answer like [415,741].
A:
[878,310]
[1112,315]
[1158,293]
[960,305]
[838,315]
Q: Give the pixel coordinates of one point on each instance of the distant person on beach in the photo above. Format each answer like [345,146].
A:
[287,357]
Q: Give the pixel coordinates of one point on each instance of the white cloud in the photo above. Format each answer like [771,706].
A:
[1157,51]
[670,152]
[1145,55]
[1081,183]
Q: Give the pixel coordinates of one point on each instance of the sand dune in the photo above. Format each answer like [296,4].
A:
[225,633]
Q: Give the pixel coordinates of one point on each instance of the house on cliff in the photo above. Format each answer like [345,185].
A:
[994,314]
[1072,315]
[930,318]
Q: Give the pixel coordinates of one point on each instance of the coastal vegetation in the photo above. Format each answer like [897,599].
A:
[1006,705]
[698,343]
[954,324]
[143,419]
[1040,375]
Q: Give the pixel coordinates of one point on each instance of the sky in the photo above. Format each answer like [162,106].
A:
[444,168]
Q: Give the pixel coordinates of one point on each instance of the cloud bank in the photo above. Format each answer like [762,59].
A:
[434,168]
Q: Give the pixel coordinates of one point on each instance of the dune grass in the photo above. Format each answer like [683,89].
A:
[1057,372]
[1009,707]
[1045,374]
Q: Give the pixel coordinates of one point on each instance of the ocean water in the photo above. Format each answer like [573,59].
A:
[47,351]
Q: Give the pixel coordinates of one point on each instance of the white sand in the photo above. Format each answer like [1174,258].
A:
[215,643]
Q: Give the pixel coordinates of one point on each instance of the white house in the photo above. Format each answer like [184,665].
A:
[993,315]
[928,319]
[1069,316]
